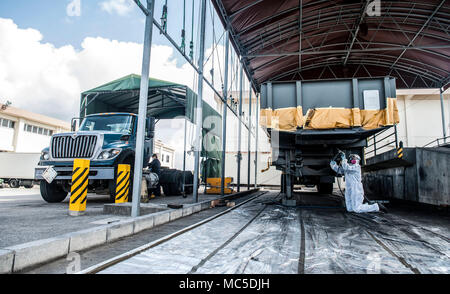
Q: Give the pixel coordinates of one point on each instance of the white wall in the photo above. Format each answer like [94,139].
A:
[7,134]
[6,139]
[30,142]
[420,119]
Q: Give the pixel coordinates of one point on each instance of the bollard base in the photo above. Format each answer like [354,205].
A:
[76,213]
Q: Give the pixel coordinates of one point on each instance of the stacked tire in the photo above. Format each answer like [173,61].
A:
[171,181]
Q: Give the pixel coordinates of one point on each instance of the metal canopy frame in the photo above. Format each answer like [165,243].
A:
[301,39]
[160,100]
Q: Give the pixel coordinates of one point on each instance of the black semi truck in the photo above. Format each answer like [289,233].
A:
[308,122]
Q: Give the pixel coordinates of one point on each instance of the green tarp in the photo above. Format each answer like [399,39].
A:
[166,100]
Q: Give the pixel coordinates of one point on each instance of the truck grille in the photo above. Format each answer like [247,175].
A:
[82,146]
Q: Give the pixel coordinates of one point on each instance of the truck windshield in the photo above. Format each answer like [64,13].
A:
[114,123]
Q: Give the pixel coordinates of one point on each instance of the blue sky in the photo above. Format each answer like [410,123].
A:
[50,18]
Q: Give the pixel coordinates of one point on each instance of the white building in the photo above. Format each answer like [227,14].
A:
[27,132]
[166,154]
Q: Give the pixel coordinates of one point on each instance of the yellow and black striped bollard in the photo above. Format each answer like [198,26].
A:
[123,183]
[78,191]
[400,152]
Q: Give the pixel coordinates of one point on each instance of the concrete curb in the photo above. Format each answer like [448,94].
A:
[26,255]
[6,261]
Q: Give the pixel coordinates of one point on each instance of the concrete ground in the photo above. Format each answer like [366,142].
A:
[98,254]
[26,217]
[262,236]
[317,236]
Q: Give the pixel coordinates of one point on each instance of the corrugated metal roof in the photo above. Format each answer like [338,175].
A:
[408,40]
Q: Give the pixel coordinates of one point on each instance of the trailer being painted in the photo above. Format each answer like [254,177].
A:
[309,121]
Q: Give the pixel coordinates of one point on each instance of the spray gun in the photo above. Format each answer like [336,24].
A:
[338,156]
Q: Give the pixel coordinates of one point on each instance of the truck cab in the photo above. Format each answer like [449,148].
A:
[106,139]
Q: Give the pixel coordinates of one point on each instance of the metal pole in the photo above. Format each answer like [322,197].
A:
[184,154]
[239,155]
[143,97]
[448,113]
[249,134]
[199,112]
[444,130]
[224,116]
[256,140]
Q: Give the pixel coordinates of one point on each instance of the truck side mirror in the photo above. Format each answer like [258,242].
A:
[150,127]
[73,127]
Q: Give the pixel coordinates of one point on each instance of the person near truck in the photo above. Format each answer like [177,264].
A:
[354,192]
[155,167]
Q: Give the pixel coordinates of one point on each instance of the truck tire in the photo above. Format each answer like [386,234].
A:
[325,188]
[189,180]
[14,183]
[52,193]
[166,189]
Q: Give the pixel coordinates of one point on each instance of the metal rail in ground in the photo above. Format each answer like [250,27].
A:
[110,262]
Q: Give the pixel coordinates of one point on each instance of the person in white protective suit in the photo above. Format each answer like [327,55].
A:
[354,192]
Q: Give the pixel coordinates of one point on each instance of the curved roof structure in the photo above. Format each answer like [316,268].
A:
[321,39]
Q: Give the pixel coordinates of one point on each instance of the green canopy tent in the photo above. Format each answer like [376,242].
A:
[166,100]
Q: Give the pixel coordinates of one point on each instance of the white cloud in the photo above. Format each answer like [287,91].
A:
[42,78]
[46,79]
[74,8]
[121,7]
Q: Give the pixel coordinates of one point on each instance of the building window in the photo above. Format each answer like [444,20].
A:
[37,130]
[167,158]
[7,123]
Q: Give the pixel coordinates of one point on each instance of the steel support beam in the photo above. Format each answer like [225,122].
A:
[224,115]
[309,51]
[354,34]
[239,153]
[245,8]
[419,32]
[188,60]
[249,135]
[199,109]
[444,126]
[235,40]
[142,114]
[256,139]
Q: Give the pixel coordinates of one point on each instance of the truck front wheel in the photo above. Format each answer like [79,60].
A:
[52,193]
